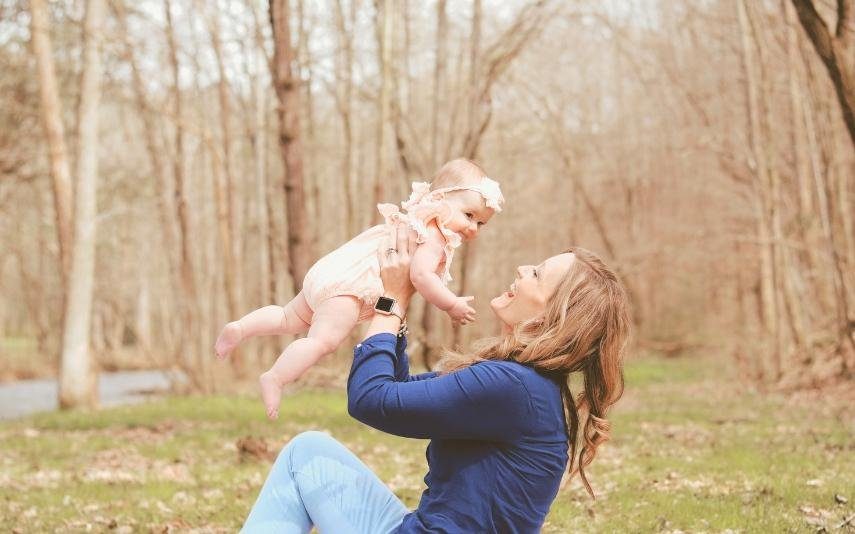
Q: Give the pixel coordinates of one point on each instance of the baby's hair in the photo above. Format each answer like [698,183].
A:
[457,172]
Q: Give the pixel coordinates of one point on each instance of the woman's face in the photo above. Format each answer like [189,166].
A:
[527,296]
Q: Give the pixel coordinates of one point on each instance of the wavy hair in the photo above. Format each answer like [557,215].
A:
[584,329]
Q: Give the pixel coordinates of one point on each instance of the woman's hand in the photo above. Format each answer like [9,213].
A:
[394,257]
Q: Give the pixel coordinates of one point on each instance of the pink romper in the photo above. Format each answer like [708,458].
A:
[353,268]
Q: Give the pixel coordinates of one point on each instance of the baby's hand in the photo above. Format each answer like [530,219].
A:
[461,312]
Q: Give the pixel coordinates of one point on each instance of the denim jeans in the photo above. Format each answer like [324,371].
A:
[317,481]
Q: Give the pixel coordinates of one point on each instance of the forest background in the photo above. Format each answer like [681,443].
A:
[704,149]
[168,165]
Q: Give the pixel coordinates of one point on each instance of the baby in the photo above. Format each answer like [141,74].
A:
[342,288]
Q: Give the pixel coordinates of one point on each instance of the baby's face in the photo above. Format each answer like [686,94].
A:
[468,213]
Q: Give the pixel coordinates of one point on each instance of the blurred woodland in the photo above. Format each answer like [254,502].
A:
[168,165]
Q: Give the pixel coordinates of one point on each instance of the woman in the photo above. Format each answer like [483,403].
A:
[500,421]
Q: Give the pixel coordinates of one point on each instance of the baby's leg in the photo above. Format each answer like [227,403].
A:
[332,322]
[293,318]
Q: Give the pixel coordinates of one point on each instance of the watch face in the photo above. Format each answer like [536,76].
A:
[384,304]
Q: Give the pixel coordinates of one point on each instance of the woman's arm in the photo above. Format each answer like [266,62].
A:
[480,402]
[483,401]
[402,363]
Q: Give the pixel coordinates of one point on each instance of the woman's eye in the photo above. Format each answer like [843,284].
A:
[480,224]
[468,215]
[535,273]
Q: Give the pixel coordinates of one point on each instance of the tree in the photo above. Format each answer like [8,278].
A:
[836,51]
[384,55]
[344,104]
[227,193]
[77,385]
[55,133]
[290,142]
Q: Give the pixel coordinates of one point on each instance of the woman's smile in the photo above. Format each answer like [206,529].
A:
[527,295]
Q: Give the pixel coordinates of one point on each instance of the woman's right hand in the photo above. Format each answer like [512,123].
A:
[394,256]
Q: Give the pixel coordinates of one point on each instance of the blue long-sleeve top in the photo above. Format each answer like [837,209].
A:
[498,443]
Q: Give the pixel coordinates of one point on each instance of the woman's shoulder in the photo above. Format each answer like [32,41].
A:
[523,384]
[525,374]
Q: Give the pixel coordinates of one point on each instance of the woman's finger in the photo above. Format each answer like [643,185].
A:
[402,236]
[381,255]
[385,245]
[412,238]
[392,241]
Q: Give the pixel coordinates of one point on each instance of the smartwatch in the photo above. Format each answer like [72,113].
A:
[388,306]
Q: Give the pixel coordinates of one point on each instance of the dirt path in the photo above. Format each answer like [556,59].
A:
[25,397]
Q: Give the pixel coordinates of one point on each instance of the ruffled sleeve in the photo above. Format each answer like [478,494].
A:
[422,208]
[390,212]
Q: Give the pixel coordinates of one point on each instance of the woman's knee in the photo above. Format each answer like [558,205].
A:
[307,445]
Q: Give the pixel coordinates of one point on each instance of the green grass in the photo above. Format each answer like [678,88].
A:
[692,451]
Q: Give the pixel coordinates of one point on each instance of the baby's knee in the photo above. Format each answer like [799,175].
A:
[326,343]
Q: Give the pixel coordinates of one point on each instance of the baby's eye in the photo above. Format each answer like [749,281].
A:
[468,215]
[480,224]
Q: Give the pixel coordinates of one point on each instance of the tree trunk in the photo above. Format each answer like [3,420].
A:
[60,170]
[438,76]
[191,333]
[290,143]
[836,52]
[764,201]
[384,52]
[468,251]
[259,144]
[428,312]
[304,74]
[345,78]
[78,381]
[165,206]
[230,218]
[819,151]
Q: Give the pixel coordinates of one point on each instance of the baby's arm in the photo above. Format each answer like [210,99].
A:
[423,268]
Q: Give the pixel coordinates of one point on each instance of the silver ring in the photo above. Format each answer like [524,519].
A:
[391,250]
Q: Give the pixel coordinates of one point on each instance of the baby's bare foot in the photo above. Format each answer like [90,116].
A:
[229,338]
[271,393]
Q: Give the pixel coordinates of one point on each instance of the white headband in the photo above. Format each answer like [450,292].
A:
[489,189]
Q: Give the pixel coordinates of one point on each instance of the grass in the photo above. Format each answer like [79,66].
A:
[691,452]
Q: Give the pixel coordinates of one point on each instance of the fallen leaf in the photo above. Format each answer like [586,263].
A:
[251,448]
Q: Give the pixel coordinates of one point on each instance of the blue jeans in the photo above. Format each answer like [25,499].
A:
[317,481]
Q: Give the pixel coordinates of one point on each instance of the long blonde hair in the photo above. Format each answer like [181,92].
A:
[584,329]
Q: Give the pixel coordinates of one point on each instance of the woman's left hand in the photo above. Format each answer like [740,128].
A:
[394,256]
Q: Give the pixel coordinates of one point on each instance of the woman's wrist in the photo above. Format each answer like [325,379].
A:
[403,301]
[379,324]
